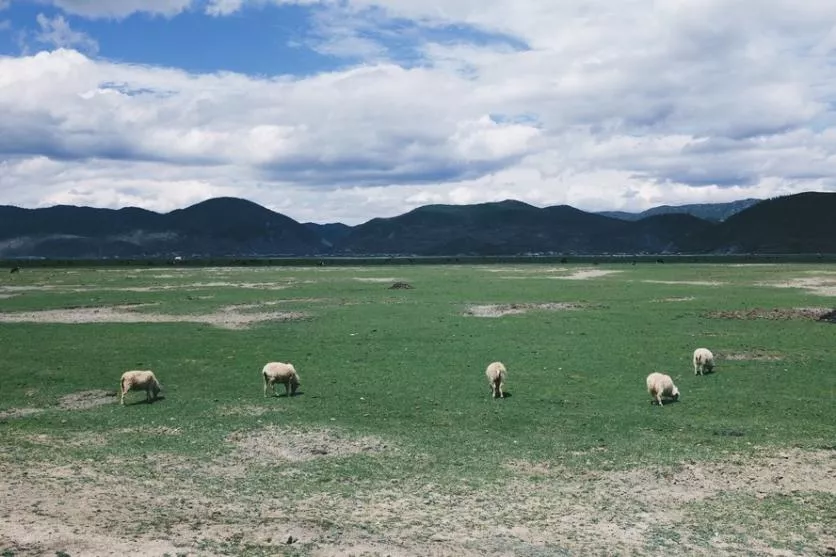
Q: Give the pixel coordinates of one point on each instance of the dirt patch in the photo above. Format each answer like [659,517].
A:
[498,310]
[540,508]
[149,430]
[819,284]
[585,274]
[527,270]
[780,314]
[375,279]
[84,400]
[247,410]
[289,444]
[675,299]
[754,355]
[19,413]
[688,282]
[227,318]
[85,439]
[5,296]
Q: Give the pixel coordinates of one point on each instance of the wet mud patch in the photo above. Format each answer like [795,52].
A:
[295,445]
[226,318]
[499,310]
[776,314]
[84,400]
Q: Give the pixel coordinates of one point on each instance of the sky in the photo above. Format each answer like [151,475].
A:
[346,110]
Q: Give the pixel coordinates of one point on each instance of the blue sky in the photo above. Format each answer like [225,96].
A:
[344,110]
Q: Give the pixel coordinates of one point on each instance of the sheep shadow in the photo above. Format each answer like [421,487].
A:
[507,395]
[145,401]
[665,401]
[286,395]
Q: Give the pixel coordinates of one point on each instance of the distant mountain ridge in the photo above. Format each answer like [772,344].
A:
[233,227]
[715,212]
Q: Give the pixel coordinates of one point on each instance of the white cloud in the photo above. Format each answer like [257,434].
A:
[118,9]
[223,7]
[56,32]
[4,4]
[610,106]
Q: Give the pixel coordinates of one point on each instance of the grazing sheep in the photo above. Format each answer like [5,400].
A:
[703,361]
[279,372]
[496,378]
[660,385]
[139,381]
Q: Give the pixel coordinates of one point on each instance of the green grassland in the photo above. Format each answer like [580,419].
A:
[416,458]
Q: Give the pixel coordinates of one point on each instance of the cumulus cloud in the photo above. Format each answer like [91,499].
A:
[119,9]
[56,32]
[600,105]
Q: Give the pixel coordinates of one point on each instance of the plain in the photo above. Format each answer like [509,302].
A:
[393,445]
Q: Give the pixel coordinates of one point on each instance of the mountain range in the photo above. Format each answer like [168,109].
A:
[233,227]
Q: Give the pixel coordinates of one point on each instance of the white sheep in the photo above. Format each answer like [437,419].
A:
[280,372]
[660,385]
[703,361]
[496,373]
[139,380]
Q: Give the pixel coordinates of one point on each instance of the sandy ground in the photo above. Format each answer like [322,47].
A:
[541,508]
[227,318]
[822,284]
[498,310]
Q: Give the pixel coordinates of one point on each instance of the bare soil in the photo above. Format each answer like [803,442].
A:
[376,279]
[688,282]
[84,400]
[18,413]
[586,274]
[498,310]
[755,355]
[272,443]
[540,508]
[821,284]
[675,299]
[814,313]
[227,318]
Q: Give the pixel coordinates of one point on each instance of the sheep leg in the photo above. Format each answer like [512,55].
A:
[659,398]
[502,390]
[265,385]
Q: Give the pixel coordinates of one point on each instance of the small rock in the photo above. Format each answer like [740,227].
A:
[437,538]
[290,540]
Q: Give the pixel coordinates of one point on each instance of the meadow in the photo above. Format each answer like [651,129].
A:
[393,445]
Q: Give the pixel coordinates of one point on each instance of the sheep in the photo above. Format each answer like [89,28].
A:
[703,361]
[139,380]
[496,374]
[660,385]
[279,372]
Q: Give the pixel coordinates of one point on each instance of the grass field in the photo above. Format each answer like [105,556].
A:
[394,446]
